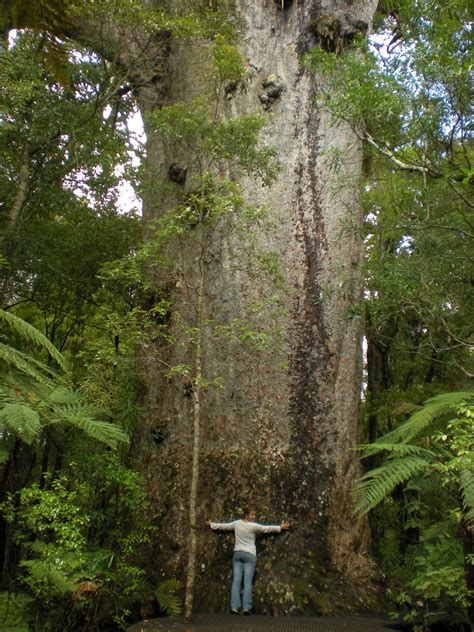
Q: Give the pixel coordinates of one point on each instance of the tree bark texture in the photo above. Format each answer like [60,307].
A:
[279,435]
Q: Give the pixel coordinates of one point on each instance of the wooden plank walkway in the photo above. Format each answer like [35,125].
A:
[261,623]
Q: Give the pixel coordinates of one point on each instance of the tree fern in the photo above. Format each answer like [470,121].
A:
[33,396]
[63,395]
[466,484]
[54,571]
[377,484]
[166,596]
[400,449]
[419,422]
[27,332]
[44,575]
[21,420]
[102,431]
[450,453]
[24,363]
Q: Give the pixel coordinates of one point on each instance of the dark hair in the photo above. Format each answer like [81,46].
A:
[248,510]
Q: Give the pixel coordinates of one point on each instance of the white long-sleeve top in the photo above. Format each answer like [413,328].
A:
[245,533]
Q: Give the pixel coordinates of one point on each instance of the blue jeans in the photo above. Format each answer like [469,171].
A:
[244,567]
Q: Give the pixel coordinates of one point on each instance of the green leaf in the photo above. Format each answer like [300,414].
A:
[466,483]
[26,364]
[375,485]
[434,408]
[30,333]
[21,420]
[81,416]
[166,596]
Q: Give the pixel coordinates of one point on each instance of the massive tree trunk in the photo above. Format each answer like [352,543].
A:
[277,438]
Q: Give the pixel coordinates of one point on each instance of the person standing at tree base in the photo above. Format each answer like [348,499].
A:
[245,556]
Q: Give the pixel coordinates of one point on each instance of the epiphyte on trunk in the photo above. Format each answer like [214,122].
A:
[177,173]
[273,87]
[336,32]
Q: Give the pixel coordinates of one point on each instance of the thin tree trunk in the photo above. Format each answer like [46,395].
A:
[14,215]
[21,192]
[191,567]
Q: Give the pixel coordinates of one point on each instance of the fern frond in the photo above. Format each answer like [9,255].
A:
[21,420]
[166,596]
[47,574]
[377,484]
[434,408]
[64,396]
[25,363]
[102,431]
[400,449]
[466,483]
[30,333]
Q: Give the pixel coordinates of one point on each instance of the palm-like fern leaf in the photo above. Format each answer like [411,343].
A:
[64,396]
[375,485]
[21,420]
[400,449]
[166,596]
[25,364]
[82,416]
[466,483]
[30,333]
[433,409]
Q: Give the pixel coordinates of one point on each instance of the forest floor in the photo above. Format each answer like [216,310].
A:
[261,623]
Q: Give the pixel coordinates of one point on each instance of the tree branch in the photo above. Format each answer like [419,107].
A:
[386,151]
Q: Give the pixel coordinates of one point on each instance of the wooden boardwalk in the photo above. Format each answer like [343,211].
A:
[261,623]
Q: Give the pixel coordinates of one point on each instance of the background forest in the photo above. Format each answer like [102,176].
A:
[77,302]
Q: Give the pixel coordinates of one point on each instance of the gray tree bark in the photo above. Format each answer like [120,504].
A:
[277,438]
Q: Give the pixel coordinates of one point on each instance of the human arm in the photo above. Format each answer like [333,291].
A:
[263,528]
[221,526]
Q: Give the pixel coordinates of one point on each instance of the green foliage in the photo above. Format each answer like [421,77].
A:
[26,331]
[431,457]
[52,18]
[227,61]
[21,420]
[415,90]
[167,598]
[79,542]
[50,514]
[13,609]
[50,525]
[58,243]
[421,421]
[430,580]
[31,400]
[359,90]
[216,143]
[450,454]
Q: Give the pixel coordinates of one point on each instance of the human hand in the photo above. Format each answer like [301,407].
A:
[208,523]
[285,525]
